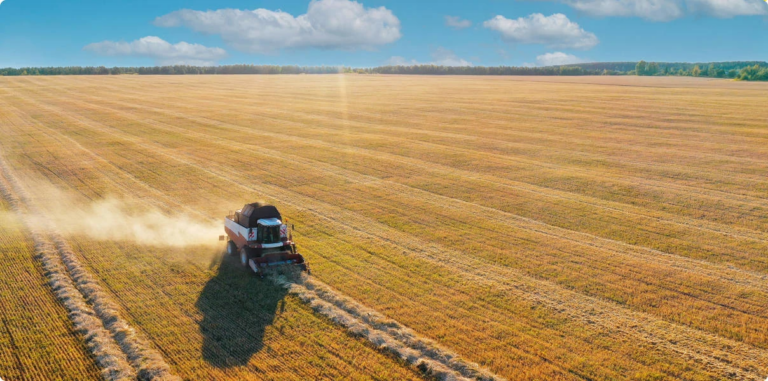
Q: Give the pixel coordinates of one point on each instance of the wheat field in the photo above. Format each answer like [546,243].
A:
[594,228]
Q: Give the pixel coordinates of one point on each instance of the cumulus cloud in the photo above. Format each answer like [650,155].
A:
[557,58]
[163,52]
[555,31]
[666,10]
[456,22]
[440,57]
[328,24]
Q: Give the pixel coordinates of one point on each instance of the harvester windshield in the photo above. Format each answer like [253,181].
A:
[269,234]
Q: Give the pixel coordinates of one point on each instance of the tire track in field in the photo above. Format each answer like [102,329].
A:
[85,299]
[717,354]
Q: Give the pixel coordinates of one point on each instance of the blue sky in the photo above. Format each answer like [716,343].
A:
[377,32]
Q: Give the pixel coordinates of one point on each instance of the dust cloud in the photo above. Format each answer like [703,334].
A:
[116,220]
[113,219]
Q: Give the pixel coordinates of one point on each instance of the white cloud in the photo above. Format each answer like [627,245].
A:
[328,24]
[456,22]
[555,31]
[440,57]
[656,10]
[557,58]
[728,8]
[666,10]
[162,51]
[1,1]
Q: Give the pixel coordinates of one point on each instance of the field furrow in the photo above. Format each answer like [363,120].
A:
[541,228]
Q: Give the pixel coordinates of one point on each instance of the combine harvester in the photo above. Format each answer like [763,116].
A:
[256,232]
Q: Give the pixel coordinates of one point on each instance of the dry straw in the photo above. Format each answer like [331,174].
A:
[383,332]
[110,338]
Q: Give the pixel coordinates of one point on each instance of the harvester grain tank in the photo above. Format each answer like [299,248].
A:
[259,237]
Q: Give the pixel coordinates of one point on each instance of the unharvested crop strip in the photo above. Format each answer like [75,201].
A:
[148,362]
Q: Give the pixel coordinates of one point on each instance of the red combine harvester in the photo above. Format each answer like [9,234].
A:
[258,235]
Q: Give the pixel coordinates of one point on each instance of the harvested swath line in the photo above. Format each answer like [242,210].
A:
[105,350]
[378,337]
[401,333]
[149,364]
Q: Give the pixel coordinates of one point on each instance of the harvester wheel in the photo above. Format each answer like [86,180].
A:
[231,248]
[245,255]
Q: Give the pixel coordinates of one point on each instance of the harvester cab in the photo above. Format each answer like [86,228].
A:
[259,237]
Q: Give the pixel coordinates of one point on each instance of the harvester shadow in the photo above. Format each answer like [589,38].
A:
[237,308]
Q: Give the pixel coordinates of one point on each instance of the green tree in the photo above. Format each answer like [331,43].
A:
[696,71]
[711,72]
[641,68]
[652,69]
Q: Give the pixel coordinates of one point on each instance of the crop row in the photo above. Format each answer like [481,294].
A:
[652,297]
[455,249]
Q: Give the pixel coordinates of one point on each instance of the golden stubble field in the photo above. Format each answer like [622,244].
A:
[545,228]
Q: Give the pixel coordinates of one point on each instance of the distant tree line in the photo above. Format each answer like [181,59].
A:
[478,70]
[746,71]
[741,70]
[171,70]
